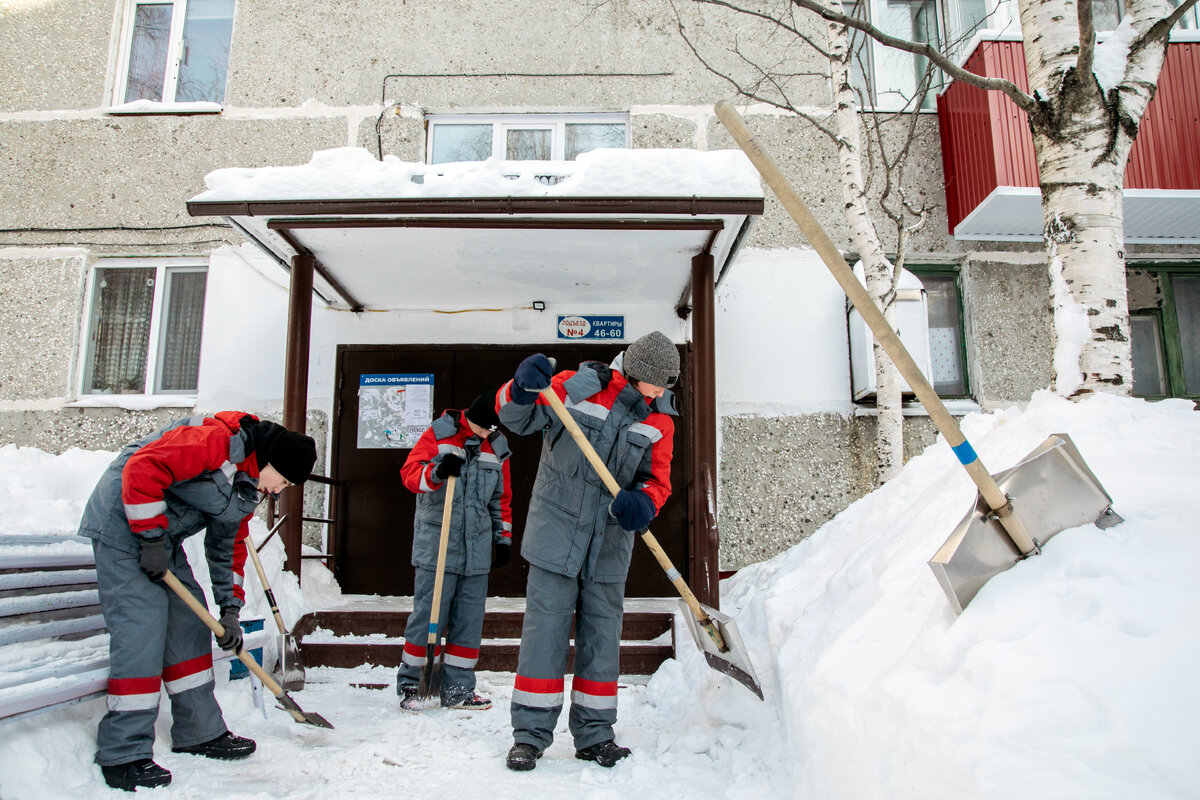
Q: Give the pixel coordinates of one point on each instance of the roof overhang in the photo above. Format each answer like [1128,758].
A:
[1152,216]
[468,250]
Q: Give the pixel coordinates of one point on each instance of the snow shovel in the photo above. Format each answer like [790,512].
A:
[285,702]
[1042,500]
[714,633]
[430,683]
[291,667]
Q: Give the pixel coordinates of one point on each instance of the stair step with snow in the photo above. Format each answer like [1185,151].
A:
[347,639]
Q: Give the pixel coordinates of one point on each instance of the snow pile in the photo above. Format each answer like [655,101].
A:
[352,173]
[1068,676]
[44,494]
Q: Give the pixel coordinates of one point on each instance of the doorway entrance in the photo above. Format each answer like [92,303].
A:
[374,547]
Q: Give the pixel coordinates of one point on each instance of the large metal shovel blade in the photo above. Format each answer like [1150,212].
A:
[1052,489]
[731,661]
[291,666]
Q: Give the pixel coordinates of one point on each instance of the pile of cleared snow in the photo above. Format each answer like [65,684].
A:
[1070,675]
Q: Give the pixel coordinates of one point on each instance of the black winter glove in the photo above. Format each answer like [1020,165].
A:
[153,557]
[500,554]
[449,465]
[633,509]
[532,375]
[232,640]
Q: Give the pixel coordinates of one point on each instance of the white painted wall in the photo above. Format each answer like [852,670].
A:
[782,346]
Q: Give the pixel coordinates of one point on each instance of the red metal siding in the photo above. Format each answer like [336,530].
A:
[1166,153]
[986,141]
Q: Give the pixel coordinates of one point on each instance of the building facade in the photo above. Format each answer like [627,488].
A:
[122,311]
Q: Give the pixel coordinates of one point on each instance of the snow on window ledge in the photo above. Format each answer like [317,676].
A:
[154,107]
[134,402]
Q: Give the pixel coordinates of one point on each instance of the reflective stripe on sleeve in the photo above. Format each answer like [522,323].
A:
[649,431]
[136,511]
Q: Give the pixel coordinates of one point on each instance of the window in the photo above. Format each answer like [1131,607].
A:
[523,137]
[175,52]
[947,351]
[1107,14]
[1165,337]
[144,325]
[890,79]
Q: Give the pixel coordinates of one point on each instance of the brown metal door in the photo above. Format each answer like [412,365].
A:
[375,541]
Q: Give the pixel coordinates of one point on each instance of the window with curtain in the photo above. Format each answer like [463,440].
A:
[947,353]
[176,52]
[144,329]
[522,137]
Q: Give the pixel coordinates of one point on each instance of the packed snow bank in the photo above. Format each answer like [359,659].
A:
[1069,675]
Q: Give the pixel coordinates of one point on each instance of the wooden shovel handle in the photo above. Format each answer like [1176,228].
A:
[447,507]
[874,318]
[208,619]
[602,470]
[262,576]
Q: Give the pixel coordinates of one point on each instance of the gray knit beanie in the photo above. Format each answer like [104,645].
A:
[652,359]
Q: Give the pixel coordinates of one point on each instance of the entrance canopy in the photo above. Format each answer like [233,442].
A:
[613,226]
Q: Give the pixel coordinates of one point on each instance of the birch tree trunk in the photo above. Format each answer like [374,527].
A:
[877,270]
[1082,134]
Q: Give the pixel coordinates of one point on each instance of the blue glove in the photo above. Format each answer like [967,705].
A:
[633,509]
[532,375]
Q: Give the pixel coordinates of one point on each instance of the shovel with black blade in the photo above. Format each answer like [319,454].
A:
[429,685]
[714,633]
[285,702]
[290,665]
[1017,510]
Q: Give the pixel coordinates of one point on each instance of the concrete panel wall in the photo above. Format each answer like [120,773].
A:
[1010,336]
[54,55]
[781,478]
[40,307]
[137,172]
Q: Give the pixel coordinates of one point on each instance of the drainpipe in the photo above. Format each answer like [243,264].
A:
[295,395]
[703,565]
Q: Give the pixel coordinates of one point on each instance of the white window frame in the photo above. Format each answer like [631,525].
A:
[174,57]
[887,100]
[156,336]
[503,123]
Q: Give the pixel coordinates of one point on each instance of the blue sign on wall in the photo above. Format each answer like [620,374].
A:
[592,327]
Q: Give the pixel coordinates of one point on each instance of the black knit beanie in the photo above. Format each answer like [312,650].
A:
[483,411]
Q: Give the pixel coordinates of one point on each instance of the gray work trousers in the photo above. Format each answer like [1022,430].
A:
[552,603]
[155,640]
[460,622]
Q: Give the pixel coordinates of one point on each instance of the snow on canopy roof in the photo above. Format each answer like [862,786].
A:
[353,173]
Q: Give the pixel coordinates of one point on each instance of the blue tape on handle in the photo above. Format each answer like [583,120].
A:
[965,453]
[432,628]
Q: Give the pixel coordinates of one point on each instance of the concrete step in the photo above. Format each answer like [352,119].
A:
[348,638]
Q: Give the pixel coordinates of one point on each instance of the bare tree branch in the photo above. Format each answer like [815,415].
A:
[1009,88]
[1087,38]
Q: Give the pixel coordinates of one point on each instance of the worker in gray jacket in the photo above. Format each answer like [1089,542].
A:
[578,539]
[199,473]
[466,445]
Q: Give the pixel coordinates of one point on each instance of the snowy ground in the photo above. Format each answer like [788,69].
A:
[1071,675]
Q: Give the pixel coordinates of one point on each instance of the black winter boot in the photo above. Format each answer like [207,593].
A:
[606,754]
[129,776]
[225,747]
[523,757]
